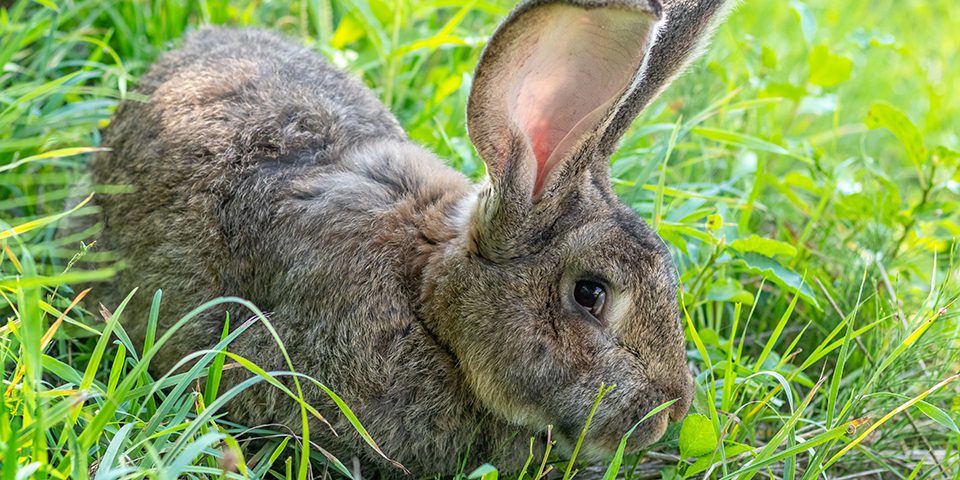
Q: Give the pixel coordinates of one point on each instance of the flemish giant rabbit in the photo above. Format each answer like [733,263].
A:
[447,315]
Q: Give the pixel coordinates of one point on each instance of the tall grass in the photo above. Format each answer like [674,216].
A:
[804,173]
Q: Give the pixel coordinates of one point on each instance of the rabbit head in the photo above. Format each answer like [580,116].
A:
[552,285]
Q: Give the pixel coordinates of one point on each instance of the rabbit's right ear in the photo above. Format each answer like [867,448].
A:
[561,81]
[547,80]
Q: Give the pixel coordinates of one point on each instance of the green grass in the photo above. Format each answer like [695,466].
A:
[804,173]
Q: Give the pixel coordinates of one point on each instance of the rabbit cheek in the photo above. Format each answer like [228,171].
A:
[528,384]
[514,397]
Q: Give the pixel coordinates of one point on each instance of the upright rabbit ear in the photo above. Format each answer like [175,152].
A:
[686,27]
[562,80]
[547,78]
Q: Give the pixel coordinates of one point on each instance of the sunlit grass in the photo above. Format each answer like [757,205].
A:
[804,174]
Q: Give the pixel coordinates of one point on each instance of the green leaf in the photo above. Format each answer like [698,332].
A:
[9,469]
[828,69]
[40,222]
[60,153]
[729,291]
[808,22]
[714,222]
[484,472]
[697,437]
[784,90]
[775,335]
[112,319]
[764,246]
[447,87]
[740,139]
[614,468]
[709,336]
[729,451]
[767,456]
[769,57]
[48,4]
[35,93]
[442,37]
[349,31]
[946,157]
[670,473]
[113,448]
[773,271]
[79,276]
[215,370]
[367,21]
[187,456]
[938,415]
[882,115]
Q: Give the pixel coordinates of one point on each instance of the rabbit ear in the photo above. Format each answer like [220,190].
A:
[566,77]
[686,27]
[548,77]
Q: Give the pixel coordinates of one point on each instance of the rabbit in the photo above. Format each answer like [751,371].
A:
[457,320]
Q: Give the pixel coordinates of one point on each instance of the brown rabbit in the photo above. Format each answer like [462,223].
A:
[449,316]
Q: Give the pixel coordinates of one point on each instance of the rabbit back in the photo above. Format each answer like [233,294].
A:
[238,150]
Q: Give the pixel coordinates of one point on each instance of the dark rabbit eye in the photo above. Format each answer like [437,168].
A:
[591,296]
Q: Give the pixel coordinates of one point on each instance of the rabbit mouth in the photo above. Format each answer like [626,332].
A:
[624,417]
[607,440]
[601,443]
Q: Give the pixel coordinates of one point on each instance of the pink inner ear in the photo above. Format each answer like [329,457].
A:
[579,65]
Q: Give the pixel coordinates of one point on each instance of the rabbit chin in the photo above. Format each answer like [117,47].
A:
[609,427]
[602,439]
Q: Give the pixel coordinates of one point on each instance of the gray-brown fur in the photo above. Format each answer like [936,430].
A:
[439,310]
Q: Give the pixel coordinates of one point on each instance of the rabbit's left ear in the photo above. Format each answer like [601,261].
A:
[562,80]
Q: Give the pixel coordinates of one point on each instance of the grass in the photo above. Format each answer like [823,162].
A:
[804,173]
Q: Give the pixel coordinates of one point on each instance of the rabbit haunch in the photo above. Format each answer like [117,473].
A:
[442,312]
